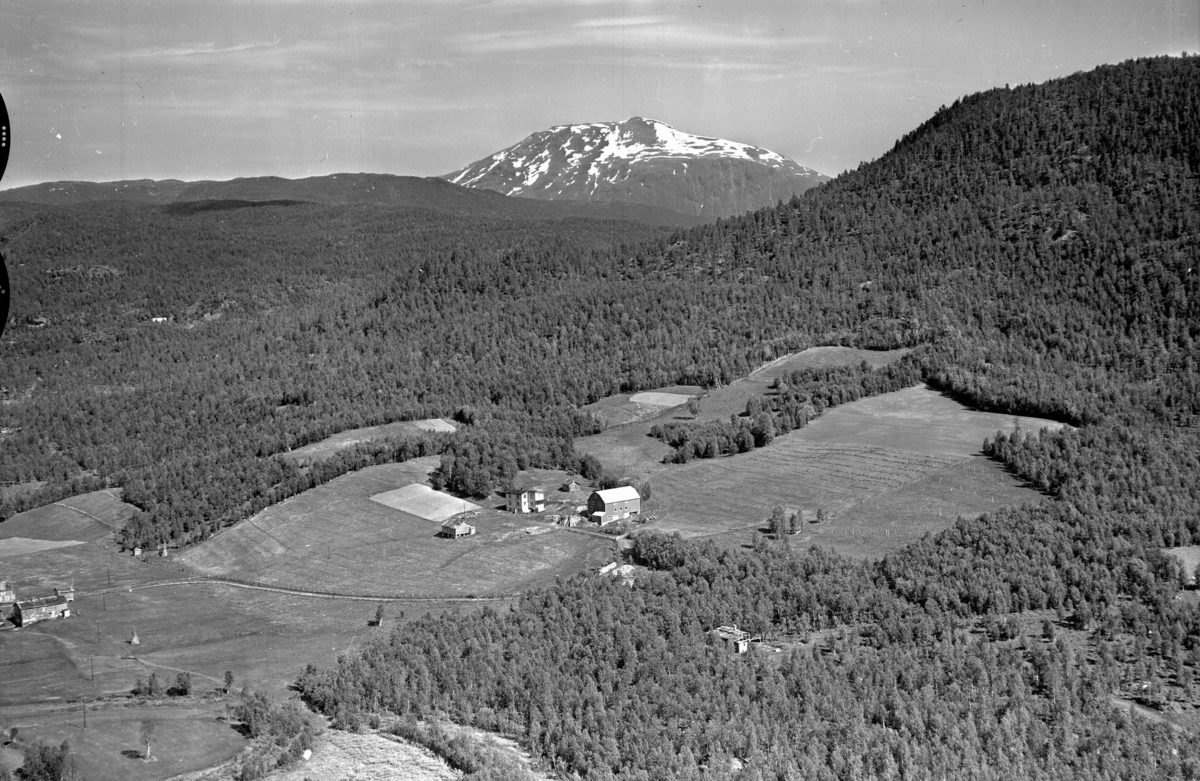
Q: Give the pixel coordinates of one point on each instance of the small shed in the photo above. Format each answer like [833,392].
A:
[525,500]
[31,611]
[614,504]
[8,594]
[735,639]
[572,486]
[453,528]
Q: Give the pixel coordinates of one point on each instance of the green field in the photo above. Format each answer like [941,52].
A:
[628,408]
[186,739]
[334,538]
[330,446]
[264,638]
[886,469]
[624,445]
[720,403]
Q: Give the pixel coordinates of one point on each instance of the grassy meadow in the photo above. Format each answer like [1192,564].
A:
[624,444]
[49,668]
[334,538]
[330,446]
[885,469]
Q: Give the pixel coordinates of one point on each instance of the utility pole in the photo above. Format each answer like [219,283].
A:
[85,715]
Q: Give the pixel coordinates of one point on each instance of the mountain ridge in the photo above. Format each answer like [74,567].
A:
[641,161]
[333,190]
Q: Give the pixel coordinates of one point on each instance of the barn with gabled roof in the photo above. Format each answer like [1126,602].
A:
[614,504]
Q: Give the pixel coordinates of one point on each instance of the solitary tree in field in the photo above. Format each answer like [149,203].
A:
[379,615]
[146,734]
[228,681]
[778,521]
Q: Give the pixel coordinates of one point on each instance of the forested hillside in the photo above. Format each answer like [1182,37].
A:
[1039,245]
[1040,242]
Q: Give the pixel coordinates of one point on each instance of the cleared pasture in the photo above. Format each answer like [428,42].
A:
[660,399]
[740,491]
[886,469]
[330,446]
[334,538]
[895,518]
[264,638]
[19,546]
[918,419]
[86,517]
[720,403]
[625,445]
[626,408]
[186,739]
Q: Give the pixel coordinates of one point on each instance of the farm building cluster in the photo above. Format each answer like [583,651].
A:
[603,507]
[31,610]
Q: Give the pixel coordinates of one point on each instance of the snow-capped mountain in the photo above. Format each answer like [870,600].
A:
[641,161]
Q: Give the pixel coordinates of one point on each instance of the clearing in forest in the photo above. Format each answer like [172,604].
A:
[334,538]
[626,408]
[720,403]
[624,444]
[1188,558]
[885,469]
[331,446]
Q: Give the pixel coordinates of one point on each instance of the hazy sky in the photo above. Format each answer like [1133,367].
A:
[213,89]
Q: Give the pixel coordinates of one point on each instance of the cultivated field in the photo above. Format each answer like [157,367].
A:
[334,538]
[264,638]
[424,502]
[330,446]
[720,403]
[886,469]
[624,443]
[629,408]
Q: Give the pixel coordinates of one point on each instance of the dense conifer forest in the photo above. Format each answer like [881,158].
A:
[1036,245]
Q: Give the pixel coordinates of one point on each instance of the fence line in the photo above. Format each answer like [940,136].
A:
[238,583]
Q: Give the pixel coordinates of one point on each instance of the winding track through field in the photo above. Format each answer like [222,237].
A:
[296,592]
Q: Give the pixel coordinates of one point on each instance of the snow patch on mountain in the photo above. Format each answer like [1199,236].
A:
[640,161]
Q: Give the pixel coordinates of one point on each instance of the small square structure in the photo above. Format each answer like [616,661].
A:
[455,528]
[735,639]
[8,594]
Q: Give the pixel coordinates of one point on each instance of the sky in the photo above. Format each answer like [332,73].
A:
[106,90]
